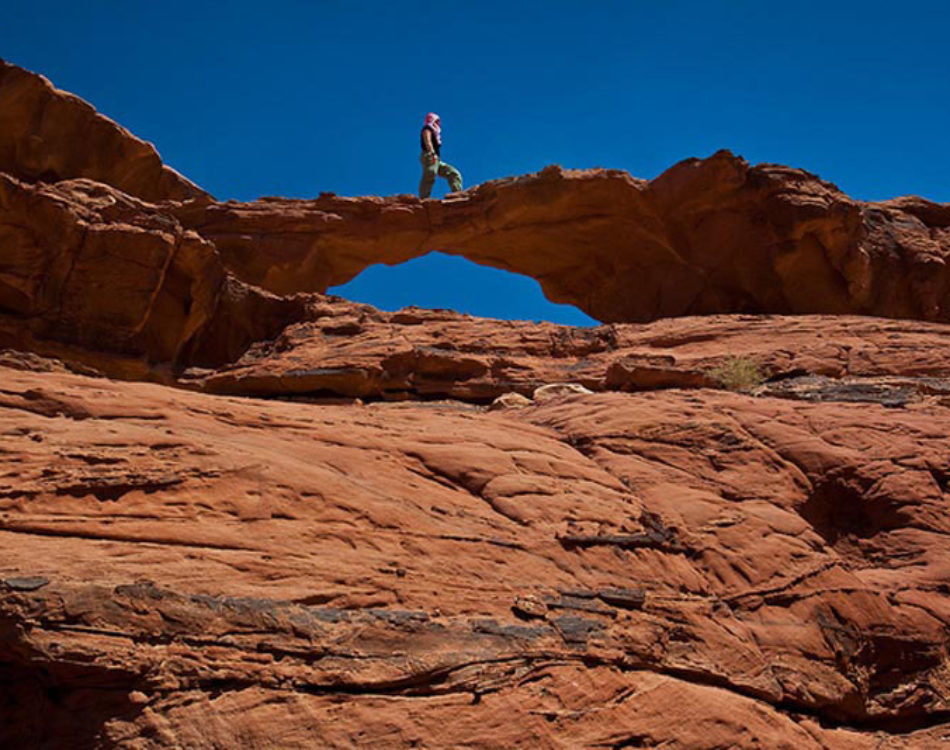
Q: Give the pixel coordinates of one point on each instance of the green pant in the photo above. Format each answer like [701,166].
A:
[431,168]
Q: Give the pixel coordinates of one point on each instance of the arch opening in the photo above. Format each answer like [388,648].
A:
[442,281]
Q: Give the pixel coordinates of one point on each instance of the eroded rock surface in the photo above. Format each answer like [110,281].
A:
[707,236]
[318,533]
[50,135]
[94,275]
[236,571]
[356,351]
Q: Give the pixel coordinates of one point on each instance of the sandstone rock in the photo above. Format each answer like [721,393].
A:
[50,135]
[887,391]
[351,350]
[530,606]
[25,583]
[385,562]
[510,400]
[711,235]
[553,391]
[171,301]
[787,581]
[96,276]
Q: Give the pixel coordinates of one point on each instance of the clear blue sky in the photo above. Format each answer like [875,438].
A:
[294,98]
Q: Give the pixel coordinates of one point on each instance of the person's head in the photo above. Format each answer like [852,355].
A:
[433,119]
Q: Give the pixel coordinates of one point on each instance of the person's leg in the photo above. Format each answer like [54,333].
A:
[430,167]
[452,175]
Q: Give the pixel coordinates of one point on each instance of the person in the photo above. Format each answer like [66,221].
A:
[432,164]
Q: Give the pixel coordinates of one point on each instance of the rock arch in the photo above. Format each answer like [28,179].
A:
[707,236]
[440,281]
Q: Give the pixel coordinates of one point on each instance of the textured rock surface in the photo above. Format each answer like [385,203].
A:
[707,236]
[50,135]
[385,560]
[223,572]
[356,351]
[90,273]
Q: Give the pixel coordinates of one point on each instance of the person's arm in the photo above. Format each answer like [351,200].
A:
[427,141]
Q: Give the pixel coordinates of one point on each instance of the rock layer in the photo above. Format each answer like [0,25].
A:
[387,561]
[50,135]
[356,351]
[96,276]
[204,571]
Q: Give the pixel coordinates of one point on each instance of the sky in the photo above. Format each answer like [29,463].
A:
[295,98]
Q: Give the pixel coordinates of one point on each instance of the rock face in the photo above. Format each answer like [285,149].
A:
[707,236]
[95,275]
[49,135]
[332,526]
[224,572]
[356,351]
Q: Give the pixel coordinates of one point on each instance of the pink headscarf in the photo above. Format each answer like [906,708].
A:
[432,121]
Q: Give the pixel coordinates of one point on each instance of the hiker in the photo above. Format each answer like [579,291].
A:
[432,165]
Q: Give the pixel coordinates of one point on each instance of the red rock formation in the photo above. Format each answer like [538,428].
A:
[189,570]
[131,290]
[49,135]
[94,275]
[656,564]
[357,351]
[707,236]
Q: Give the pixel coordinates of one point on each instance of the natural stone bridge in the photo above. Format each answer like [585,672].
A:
[707,236]
[190,280]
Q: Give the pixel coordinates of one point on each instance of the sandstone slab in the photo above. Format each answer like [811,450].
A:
[355,351]
[216,566]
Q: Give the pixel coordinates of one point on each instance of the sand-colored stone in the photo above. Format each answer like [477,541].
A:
[510,400]
[711,235]
[552,391]
[316,532]
[357,575]
[50,135]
